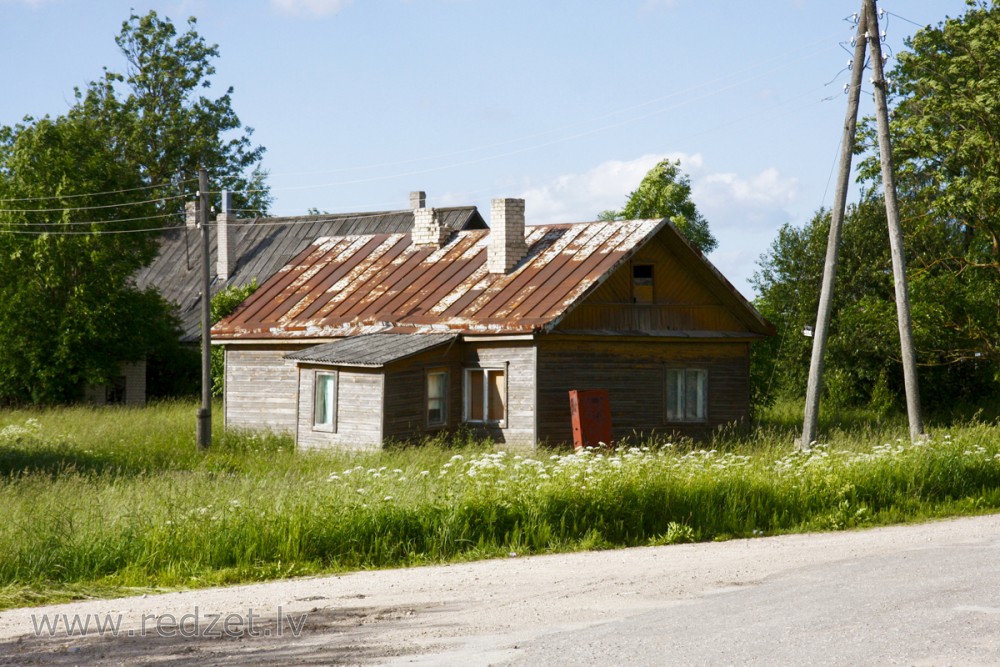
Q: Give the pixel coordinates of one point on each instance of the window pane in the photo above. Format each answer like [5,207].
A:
[435,385]
[436,389]
[675,393]
[497,395]
[686,398]
[697,378]
[691,395]
[475,407]
[324,399]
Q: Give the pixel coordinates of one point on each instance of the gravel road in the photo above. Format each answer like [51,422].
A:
[923,594]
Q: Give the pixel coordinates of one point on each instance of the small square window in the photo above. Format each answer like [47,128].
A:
[437,397]
[686,395]
[642,283]
[325,402]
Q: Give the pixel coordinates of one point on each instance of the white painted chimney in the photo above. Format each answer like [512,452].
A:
[418,199]
[427,228]
[225,229]
[507,246]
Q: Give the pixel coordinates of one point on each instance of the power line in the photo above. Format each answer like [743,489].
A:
[98,194]
[101,232]
[91,208]
[95,222]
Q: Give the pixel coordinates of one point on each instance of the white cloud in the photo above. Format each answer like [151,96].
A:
[581,197]
[743,212]
[309,7]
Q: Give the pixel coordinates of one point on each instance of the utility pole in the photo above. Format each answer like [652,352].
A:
[822,331]
[205,412]
[895,231]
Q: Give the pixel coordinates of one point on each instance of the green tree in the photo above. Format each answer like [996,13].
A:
[945,132]
[665,192]
[68,311]
[165,128]
[862,360]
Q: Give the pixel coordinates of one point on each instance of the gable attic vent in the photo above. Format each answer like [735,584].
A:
[507,246]
[427,228]
[225,229]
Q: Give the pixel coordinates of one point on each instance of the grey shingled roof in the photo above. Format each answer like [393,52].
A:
[373,350]
[263,246]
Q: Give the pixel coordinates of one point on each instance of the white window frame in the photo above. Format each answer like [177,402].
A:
[443,420]
[331,380]
[467,381]
[675,396]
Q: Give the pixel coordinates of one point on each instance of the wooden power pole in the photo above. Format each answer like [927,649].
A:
[909,356]
[205,412]
[822,331]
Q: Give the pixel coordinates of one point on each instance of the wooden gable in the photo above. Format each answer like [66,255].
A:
[665,287]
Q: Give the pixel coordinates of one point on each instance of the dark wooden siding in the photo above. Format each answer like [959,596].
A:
[261,387]
[406,393]
[634,373]
[680,301]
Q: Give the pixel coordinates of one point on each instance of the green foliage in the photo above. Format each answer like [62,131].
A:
[68,311]
[224,303]
[100,500]
[167,129]
[862,363]
[945,130]
[665,192]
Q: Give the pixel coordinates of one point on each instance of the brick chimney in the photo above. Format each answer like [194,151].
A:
[225,229]
[191,214]
[418,199]
[507,246]
[427,228]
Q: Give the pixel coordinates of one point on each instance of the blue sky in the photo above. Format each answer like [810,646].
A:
[565,103]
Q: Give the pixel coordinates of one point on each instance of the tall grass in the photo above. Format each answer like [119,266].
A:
[107,501]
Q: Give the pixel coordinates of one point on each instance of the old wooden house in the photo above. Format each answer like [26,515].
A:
[243,249]
[367,338]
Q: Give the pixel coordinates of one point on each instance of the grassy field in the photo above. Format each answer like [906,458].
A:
[103,502]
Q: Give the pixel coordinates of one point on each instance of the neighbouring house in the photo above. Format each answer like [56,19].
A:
[390,336]
[246,249]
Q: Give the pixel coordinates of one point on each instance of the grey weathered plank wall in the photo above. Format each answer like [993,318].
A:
[261,388]
[519,358]
[358,409]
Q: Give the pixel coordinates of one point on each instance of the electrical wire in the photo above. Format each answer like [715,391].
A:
[68,209]
[98,194]
[94,222]
[103,232]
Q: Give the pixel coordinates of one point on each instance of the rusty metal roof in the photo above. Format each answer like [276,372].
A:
[263,246]
[365,284]
[371,350]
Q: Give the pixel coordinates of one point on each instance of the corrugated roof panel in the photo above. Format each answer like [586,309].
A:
[371,283]
[371,350]
[264,246]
